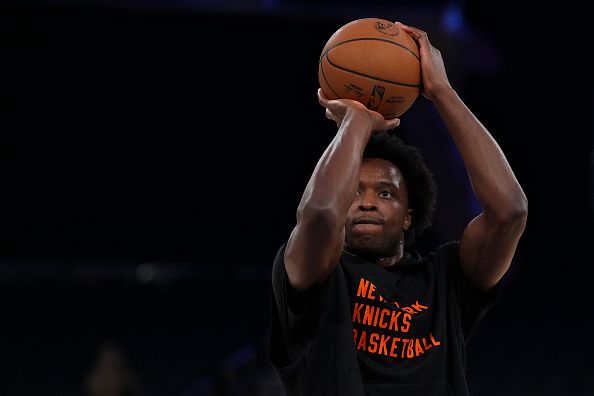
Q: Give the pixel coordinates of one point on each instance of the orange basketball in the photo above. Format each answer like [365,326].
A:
[372,61]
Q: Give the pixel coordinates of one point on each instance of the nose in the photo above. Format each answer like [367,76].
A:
[367,201]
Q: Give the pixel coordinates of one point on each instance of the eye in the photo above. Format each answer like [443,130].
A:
[386,194]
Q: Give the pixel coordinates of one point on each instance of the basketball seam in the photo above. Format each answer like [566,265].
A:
[371,77]
[370,38]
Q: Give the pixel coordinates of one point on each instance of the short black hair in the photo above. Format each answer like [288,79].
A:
[422,190]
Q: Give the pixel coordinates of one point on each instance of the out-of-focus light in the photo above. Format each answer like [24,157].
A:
[270,3]
[145,272]
[452,19]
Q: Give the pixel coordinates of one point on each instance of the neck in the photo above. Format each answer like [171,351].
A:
[387,261]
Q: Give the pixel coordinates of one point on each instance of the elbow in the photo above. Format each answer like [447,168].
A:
[519,212]
[519,217]
[514,215]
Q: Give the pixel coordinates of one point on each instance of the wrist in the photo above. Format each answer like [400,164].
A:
[442,94]
[358,117]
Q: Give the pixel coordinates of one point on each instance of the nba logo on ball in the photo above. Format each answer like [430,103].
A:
[377,95]
[386,28]
[378,58]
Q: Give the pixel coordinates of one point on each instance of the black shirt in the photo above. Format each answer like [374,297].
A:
[371,330]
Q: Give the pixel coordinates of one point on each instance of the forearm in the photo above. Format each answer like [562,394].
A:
[491,176]
[333,183]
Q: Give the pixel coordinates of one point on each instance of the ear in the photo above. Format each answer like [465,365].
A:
[407,219]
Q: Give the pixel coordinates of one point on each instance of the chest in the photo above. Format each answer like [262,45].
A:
[395,316]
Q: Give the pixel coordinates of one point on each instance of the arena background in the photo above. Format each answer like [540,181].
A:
[153,154]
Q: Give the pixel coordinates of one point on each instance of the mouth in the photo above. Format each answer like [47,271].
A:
[367,220]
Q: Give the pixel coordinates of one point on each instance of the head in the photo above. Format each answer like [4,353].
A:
[395,199]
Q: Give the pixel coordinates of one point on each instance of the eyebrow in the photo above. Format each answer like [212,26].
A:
[385,184]
[389,185]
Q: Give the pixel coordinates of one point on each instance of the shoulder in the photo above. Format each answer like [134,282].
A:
[295,303]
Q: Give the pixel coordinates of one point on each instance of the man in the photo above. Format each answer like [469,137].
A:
[354,312]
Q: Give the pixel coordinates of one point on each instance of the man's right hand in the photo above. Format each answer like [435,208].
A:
[336,109]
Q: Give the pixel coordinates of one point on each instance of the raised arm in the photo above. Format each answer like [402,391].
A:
[315,245]
[489,241]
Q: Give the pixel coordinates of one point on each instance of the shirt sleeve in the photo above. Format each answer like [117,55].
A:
[294,317]
[472,304]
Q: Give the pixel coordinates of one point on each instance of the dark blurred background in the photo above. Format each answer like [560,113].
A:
[154,152]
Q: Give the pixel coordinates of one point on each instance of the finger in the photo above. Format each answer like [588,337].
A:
[417,34]
[329,115]
[322,94]
[409,29]
[389,124]
[393,123]
[322,98]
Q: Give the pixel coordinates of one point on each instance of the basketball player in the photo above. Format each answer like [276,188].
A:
[355,311]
